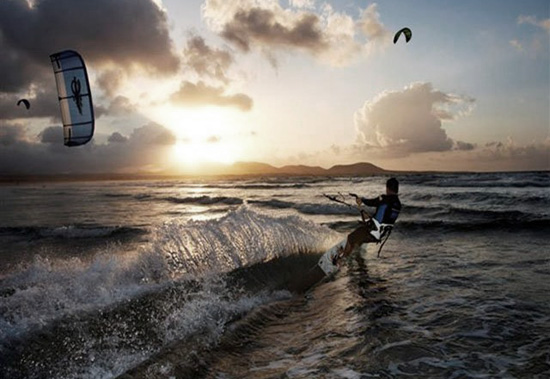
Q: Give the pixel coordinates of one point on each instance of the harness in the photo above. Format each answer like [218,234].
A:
[381,232]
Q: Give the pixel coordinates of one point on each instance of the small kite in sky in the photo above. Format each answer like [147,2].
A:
[25,102]
[406,31]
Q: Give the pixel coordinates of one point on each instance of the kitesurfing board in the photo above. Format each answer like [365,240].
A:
[326,263]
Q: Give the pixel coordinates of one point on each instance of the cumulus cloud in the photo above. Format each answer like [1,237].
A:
[329,35]
[52,134]
[110,80]
[200,94]
[23,154]
[399,123]
[120,105]
[116,137]
[152,134]
[465,146]
[207,61]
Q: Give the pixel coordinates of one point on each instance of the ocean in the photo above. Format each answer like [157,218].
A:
[191,279]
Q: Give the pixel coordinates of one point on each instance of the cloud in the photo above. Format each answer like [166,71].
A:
[146,147]
[464,146]
[207,61]
[399,123]
[200,94]
[516,44]
[532,20]
[52,134]
[116,137]
[42,99]
[537,42]
[330,36]
[125,33]
[11,134]
[152,134]
[119,106]
[213,139]
[309,4]
[371,26]
[533,156]
[110,80]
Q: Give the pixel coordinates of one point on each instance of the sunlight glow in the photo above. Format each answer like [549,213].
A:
[192,153]
[204,134]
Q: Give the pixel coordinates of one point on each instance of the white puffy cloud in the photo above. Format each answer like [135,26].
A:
[398,123]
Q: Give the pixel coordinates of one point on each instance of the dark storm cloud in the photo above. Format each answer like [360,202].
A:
[207,61]
[52,134]
[197,95]
[11,134]
[262,26]
[129,33]
[24,154]
[466,146]
[43,103]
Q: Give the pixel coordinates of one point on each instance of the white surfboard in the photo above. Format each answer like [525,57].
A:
[325,263]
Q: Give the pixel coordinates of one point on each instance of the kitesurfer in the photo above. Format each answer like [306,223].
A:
[387,206]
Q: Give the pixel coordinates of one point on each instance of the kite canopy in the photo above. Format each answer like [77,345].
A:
[25,102]
[75,98]
[406,31]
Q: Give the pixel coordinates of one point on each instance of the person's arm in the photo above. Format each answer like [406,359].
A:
[372,202]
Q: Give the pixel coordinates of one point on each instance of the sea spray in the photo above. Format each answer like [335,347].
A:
[107,314]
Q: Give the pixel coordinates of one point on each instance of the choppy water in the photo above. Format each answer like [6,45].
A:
[192,279]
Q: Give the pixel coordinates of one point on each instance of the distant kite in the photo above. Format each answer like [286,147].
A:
[75,98]
[24,101]
[406,31]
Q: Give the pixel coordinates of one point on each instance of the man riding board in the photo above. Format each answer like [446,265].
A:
[387,206]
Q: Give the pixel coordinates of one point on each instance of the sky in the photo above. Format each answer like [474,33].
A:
[179,84]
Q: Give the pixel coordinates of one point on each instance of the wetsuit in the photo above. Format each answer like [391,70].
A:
[387,210]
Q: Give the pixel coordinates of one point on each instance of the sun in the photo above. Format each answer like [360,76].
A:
[191,153]
[204,135]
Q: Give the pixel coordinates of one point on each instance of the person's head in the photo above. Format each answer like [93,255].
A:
[392,186]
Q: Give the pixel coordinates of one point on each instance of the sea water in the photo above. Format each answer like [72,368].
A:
[190,278]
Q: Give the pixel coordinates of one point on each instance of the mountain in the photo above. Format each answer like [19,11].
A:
[254,168]
[209,170]
[356,169]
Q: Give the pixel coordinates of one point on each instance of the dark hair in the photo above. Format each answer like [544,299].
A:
[393,185]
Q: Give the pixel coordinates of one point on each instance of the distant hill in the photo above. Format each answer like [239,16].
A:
[236,169]
[356,169]
[252,168]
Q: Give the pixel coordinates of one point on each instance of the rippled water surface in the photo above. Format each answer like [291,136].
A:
[193,279]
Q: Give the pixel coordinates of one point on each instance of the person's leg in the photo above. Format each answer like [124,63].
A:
[358,237]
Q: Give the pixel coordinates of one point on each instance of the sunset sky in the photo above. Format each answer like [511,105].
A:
[179,83]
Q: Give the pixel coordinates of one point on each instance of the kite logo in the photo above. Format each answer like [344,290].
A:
[76,87]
